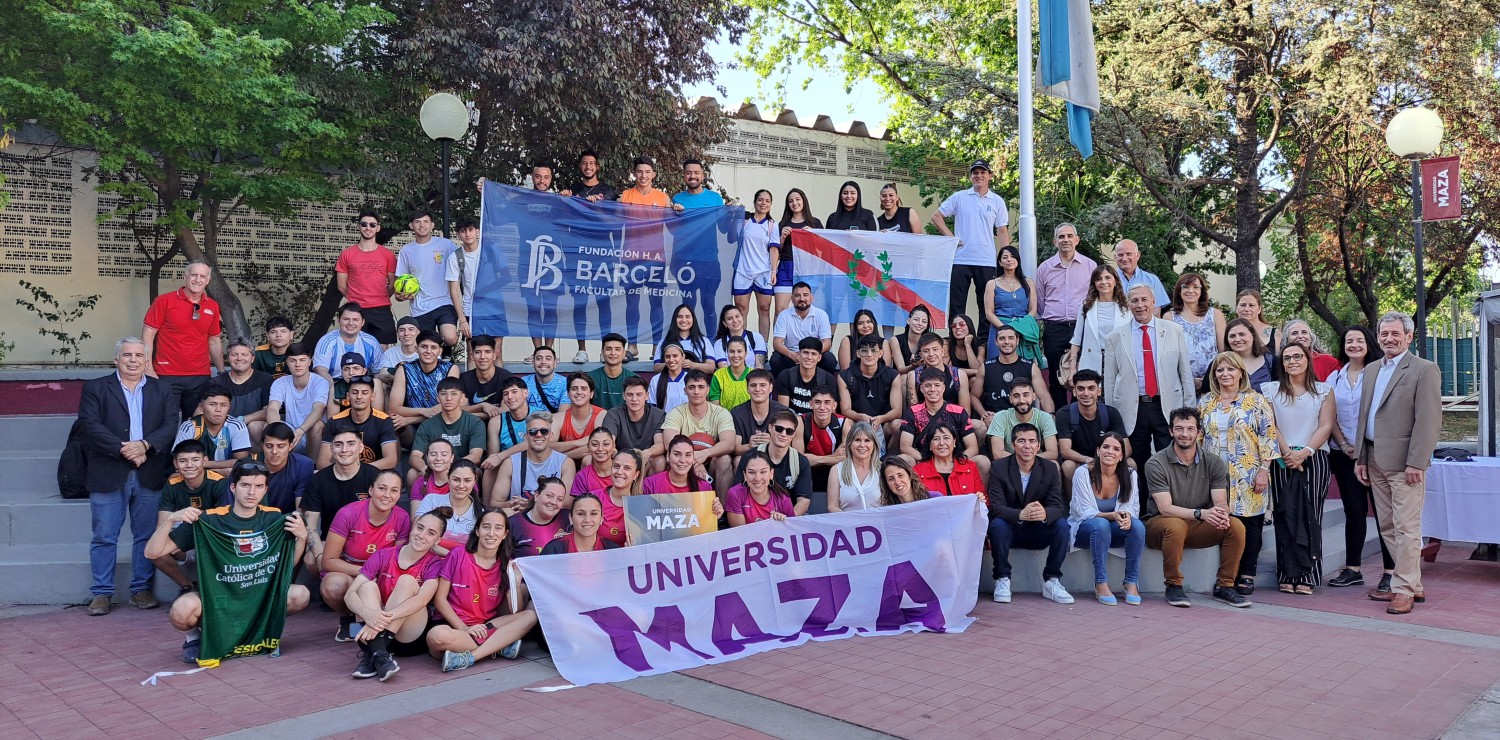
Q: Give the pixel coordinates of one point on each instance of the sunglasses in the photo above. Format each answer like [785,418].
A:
[368,225]
[197,311]
[251,466]
[538,432]
[784,430]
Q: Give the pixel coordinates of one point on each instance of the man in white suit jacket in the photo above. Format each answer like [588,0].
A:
[1145,399]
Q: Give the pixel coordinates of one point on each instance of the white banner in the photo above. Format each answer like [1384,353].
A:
[668,606]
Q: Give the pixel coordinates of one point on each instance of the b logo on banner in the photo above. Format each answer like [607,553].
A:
[545,257]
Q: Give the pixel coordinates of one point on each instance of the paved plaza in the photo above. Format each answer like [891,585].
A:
[1330,665]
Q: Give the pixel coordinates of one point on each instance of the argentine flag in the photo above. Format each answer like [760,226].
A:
[1068,67]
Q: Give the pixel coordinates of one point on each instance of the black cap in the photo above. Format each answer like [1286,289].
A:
[407,321]
[810,343]
[351,358]
[980,164]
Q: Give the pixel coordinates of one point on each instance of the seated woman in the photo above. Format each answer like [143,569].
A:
[625,480]
[435,481]
[594,476]
[577,419]
[544,519]
[1106,513]
[965,348]
[588,517]
[854,484]
[391,594]
[461,504]
[864,325]
[947,471]
[667,390]
[683,473]
[483,610]
[358,531]
[899,484]
[757,498]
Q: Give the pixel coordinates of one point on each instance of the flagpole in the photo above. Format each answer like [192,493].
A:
[1025,231]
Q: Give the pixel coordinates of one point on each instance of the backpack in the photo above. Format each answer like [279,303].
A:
[73,465]
[1076,419]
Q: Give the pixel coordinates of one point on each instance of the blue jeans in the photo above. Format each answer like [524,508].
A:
[1029,536]
[1099,535]
[109,509]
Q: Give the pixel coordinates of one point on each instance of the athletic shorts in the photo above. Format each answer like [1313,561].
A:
[746,284]
[437,317]
[784,277]
[380,324]
[415,647]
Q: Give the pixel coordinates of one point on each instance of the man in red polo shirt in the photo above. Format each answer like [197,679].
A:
[182,336]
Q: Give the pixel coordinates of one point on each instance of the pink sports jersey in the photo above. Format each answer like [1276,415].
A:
[662,483]
[588,481]
[424,487]
[473,592]
[363,539]
[384,568]
[613,528]
[739,501]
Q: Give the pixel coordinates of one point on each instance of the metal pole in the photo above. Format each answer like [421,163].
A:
[1026,228]
[1420,319]
[447,153]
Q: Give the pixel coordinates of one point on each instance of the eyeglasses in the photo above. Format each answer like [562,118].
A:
[368,225]
[784,430]
[538,432]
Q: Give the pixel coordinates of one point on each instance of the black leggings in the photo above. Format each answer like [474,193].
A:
[1255,527]
[1356,499]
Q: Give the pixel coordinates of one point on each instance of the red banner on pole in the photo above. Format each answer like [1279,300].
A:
[1441,194]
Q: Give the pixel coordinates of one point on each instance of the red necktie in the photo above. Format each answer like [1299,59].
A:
[1149,361]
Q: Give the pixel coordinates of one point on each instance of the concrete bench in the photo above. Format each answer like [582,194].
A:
[1199,571]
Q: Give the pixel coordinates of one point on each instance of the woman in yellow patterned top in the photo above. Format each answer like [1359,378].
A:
[1238,425]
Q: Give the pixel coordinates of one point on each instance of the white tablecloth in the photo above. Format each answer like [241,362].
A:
[1463,501]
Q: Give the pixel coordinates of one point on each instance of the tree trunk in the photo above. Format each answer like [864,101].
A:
[323,319]
[236,326]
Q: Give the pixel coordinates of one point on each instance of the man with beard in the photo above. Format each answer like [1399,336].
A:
[1023,411]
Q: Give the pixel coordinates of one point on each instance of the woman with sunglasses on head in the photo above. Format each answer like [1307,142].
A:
[461,503]
[899,483]
[1106,513]
[390,597]
[854,483]
[594,476]
[796,214]
[1305,417]
[545,519]
[484,610]
[577,418]
[757,497]
[588,519]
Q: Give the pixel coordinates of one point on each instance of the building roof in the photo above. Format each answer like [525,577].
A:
[789,117]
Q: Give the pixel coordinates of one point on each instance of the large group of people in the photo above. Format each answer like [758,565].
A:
[1087,409]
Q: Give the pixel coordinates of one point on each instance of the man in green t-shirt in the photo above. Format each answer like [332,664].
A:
[192,486]
[609,379]
[1023,410]
[248,482]
[464,430]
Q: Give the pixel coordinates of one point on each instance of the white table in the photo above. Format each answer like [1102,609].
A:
[1463,501]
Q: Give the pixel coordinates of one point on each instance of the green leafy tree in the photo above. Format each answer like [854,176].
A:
[196,110]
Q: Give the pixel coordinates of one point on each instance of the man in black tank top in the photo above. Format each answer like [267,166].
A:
[1006,368]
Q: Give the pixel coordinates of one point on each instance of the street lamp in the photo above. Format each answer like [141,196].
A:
[1413,134]
[445,118]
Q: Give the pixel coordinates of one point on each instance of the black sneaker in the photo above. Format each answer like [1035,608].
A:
[367,666]
[1176,596]
[190,651]
[1230,596]
[343,634]
[1347,577]
[1385,583]
[385,666]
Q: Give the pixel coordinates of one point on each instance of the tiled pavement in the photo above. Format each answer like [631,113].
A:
[1027,669]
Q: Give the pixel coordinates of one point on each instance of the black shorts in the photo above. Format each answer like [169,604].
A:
[435,318]
[380,324]
[415,647]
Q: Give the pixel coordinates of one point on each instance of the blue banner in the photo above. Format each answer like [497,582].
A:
[556,266]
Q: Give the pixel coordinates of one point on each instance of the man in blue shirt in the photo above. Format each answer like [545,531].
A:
[698,195]
[1127,264]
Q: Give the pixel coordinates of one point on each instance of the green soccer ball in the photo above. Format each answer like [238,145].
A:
[407,284]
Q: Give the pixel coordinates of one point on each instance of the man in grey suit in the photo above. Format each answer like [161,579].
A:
[1400,414]
[128,421]
[1146,374]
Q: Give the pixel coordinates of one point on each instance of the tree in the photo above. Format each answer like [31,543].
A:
[195,110]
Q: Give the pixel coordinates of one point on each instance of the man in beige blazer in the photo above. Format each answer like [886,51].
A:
[1145,398]
[1400,414]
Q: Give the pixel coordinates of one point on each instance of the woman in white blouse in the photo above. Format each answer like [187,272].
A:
[854,483]
[1106,513]
[1299,480]
[1357,349]
[1103,310]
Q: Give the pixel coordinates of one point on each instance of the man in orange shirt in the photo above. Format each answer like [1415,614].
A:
[647,244]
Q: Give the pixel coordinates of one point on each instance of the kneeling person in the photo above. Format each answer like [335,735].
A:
[193,486]
[248,482]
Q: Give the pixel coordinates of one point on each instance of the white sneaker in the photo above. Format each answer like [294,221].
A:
[1053,589]
[1002,590]
[581,358]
